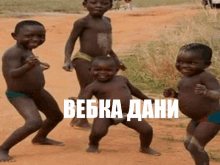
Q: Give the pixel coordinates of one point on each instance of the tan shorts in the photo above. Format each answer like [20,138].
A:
[82,56]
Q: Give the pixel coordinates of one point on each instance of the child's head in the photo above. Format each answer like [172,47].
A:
[97,8]
[103,68]
[29,34]
[193,58]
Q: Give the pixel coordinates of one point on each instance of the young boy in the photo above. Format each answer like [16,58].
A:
[128,4]
[23,74]
[198,95]
[95,34]
[107,85]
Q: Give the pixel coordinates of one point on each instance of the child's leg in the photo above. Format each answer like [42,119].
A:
[28,110]
[204,2]
[48,105]
[204,132]
[129,5]
[146,134]
[99,130]
[84,77]
[189,132]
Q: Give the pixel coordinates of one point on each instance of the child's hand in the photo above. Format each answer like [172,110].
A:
[169,92]
[122,66]
[67,66]
[200,89]
[32,61]
[44,65]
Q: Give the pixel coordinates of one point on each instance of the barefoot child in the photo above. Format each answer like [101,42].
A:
[23,74]
[198,95]
[95,34]
[107,85]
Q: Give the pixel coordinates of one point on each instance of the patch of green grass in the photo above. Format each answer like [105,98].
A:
[151,66]
[214,155]
[138,73]
[145,3]
[148,69]
[182,125]
[66,6]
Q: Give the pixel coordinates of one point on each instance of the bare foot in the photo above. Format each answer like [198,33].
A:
[46,141]
[92,149]
[4,157]
[150,151]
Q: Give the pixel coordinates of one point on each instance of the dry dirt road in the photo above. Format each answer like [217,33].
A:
[121,144]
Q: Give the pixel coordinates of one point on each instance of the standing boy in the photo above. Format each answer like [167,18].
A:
[198,95]
[95,34]
[108,86]
[23,74]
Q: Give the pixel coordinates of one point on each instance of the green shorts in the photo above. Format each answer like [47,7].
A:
[10,94]
[215,118]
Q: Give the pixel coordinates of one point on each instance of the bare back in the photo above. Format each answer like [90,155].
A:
[193,105]
[13,61]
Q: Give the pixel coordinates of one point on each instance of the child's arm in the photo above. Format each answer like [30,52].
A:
[15,68]
[119,63]
[136,92]
[87,93]
[202,90]
[170,92]
[210,88]
[78,27]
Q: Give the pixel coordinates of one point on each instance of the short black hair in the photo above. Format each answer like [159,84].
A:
[202,49]
[87,0]
[26,22]
[104,59]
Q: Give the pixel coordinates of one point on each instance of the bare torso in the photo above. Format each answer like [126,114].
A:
[96,37]
[31,82]
[116,88]
[192,105]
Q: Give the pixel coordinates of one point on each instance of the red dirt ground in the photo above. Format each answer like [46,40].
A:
[121,144]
